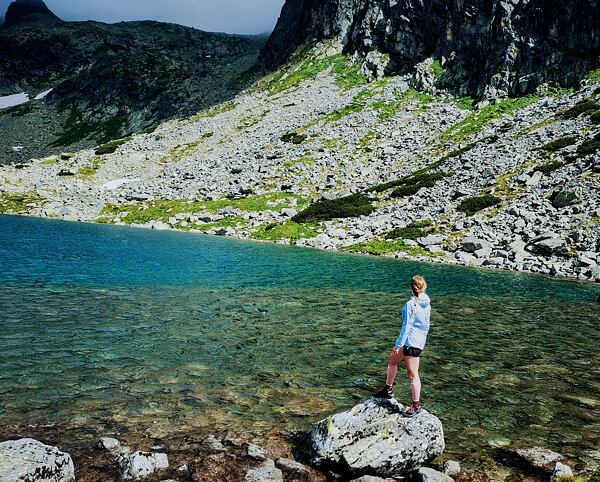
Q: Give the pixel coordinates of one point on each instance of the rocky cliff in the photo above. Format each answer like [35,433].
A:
[486,48]
[108,80]
[29,12]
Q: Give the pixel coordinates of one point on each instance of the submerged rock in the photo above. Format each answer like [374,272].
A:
[373,438]
[267,472]
[538,458]
[32,461]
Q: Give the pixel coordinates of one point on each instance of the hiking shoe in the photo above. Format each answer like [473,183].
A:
[413,410]
[386,393]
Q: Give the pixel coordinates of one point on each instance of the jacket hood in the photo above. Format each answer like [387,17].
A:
[424,300]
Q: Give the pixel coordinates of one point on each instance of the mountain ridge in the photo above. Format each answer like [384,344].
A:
[486,48]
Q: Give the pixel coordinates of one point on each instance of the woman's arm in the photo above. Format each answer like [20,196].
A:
[407,322]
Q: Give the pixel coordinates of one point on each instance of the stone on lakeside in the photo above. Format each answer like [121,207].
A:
[538,458]
[267,472]
[141,464]
[298,471]
[373,438]
[451,467]
[471,244]
[30,460]
[429,475]
[561,470]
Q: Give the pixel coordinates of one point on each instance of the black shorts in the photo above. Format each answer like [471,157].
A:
[410,351]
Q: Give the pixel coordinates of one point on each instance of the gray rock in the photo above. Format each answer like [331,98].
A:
[267,472]
[256,452]
[431,239]
[548,247]
[374,438]
[214,444]
[110,444]
[296,469]
[451,467]
[429,475]
[565,197]
[32,461]
[370,478]
[561,470]
[539,458]
[471,244]
[141,464]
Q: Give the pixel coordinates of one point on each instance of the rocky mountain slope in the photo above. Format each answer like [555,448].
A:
[316,155]
[108,80]
[483,48]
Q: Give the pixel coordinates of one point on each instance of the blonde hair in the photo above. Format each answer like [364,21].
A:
[418,285]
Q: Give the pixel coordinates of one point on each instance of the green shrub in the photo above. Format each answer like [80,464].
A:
[345,207]
[590,147]
[111,146]
[595,117]
[583,107]
[550,167]
[558,144]
[411,185]
[593,75]
[413,231]
[421,178]
[294,137]
[473,205]
[338,114]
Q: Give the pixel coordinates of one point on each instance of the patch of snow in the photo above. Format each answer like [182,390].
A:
[18,148]
[116,184]
[13,100]
[41,95]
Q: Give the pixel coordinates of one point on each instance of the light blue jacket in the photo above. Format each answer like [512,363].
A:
[415,323]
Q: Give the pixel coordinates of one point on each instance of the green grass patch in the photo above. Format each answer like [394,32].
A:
[346,207]
[347,75]
[593,75]
[466,103]
[413,231]
[583,107]
[437,69]
[251,121]
[380,247]
[180,152]
[75,129]
[213,111]
[162,210]
[305,160]
[289,230]
[51,161]
[294,138]
[477,120]
[460,151]
[331,143]
[549,167]
[595,117]
[559,144]
[90,168]
[111,146]
[388,109]
[19,202]
[339,114]
[368,139]
[409,185]
[590,147]
[473,205]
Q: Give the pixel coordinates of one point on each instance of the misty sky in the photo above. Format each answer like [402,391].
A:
[232,16]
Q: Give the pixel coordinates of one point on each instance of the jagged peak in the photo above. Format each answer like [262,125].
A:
[22,12]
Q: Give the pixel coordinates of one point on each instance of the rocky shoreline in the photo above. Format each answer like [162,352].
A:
[371,442]
[513,185]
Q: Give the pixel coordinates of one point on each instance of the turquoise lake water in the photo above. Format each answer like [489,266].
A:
[157,331]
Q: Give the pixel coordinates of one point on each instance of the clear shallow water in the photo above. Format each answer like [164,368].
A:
[155,331]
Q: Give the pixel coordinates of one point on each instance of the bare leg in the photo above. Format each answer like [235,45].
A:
[395,356]
[412,369]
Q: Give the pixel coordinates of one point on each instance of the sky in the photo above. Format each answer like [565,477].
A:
[231,16]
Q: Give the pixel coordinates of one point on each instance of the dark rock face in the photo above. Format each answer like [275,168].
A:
[487,47]
[30,12]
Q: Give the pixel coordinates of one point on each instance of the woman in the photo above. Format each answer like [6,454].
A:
[409,345]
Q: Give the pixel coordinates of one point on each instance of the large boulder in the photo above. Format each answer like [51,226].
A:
[30,460]
[373,438]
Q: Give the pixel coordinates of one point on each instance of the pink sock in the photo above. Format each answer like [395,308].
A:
[391,374]
[415,387]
